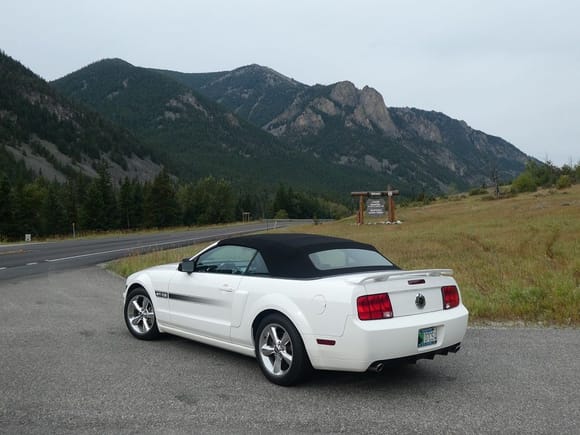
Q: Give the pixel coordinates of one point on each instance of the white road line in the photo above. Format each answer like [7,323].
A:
[31,264]
[53,260]
[2,268]
[221,236]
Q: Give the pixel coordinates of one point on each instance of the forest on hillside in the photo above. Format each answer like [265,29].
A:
[43,208]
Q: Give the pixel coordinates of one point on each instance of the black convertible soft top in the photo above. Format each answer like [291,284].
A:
[286,254]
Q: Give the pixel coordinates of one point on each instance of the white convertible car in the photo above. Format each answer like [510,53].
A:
[298,302]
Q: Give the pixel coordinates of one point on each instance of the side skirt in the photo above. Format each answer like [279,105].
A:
[244,350]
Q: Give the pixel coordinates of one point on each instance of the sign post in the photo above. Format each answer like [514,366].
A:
[390,194]
[375,204]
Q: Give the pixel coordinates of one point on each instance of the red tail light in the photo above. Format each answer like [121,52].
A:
[372,307]
[450,296]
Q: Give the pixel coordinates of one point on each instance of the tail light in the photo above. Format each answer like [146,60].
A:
[450,296]
[372,307]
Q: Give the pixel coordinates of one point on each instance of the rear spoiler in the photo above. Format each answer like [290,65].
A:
[404,274]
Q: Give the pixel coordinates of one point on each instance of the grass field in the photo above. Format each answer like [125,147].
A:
[515,259]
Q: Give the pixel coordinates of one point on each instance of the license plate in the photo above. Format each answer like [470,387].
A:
[427,337]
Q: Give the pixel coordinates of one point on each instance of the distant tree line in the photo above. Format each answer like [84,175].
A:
[44,208]
[288,203]
[546,175]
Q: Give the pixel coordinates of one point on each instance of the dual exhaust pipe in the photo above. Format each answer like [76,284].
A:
[378,367]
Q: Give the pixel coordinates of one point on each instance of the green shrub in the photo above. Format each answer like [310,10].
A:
[564,182]
[477,191]
[525,182]
[281,214]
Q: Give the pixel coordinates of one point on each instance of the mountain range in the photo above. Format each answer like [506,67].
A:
[252,126]
[354,127]
[197,136]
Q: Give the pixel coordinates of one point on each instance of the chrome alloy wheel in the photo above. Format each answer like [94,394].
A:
[140,314]
[276,349]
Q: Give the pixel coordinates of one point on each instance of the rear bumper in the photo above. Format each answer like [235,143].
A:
[365,343]
[424,355]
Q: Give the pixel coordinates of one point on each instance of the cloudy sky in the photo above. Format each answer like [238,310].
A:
[508,68]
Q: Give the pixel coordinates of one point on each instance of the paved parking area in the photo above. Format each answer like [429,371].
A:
[68,365]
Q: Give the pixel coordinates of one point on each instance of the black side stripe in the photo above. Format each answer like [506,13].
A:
[197,300]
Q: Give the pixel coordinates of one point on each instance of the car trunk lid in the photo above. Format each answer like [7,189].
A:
[411,292]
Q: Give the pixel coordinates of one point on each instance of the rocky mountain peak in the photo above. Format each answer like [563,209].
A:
[369,107]
[357,108]
[345,93]
[417,123]
[373,108]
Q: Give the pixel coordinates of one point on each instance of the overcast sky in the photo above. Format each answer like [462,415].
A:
[509,68]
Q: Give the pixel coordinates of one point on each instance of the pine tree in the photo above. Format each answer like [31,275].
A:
[186,199]
[110,212]
[126,205]
[6,208]
[92,210]
[214,200]
[138,207]
[53,218]
[27,204]
[161,207]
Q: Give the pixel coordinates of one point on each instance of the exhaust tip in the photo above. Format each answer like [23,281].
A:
[376,367]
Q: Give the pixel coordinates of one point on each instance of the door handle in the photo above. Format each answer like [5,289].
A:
[226,288]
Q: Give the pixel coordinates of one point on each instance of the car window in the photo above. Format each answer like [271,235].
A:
[347,258]
[226,259]
[258,266]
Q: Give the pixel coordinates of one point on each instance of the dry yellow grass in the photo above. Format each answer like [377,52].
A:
[134,262]
[515,259]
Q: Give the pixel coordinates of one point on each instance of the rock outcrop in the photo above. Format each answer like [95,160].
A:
[352,107]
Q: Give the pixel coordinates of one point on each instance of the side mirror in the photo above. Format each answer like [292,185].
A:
[186,265]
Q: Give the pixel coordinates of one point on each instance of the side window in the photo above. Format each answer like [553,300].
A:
[227,259]
[258,266]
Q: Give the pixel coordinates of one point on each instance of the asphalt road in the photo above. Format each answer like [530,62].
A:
[68,365]
[23,260]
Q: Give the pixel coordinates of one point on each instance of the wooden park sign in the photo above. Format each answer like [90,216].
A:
[375,205]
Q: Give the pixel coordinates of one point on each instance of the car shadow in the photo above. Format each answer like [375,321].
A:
[395,376]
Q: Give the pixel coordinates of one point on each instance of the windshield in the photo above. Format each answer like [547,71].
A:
[348,258]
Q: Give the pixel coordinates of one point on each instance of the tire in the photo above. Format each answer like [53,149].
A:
[140,315]
[280,351]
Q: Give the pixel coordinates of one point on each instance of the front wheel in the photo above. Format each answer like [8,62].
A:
[280,351]
[140,315]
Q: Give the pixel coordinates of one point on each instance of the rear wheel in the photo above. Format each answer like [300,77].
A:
[280,351]
[140,315]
